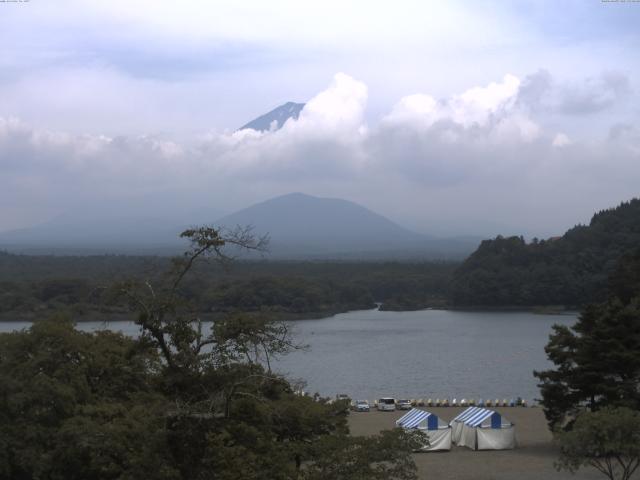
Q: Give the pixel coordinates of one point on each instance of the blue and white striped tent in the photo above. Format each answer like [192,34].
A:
[483,429]
[416,418]
[436,430]
[457,422]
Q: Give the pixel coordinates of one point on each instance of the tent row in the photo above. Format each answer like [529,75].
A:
[476,428]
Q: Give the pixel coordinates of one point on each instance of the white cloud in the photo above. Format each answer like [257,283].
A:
[493,109]
[478,104]
[419,110]
[561,140]
[122,67]
[461,155]
[338,110]
[586,96]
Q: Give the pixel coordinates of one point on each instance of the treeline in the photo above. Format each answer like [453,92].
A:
[33,285]
[571,270]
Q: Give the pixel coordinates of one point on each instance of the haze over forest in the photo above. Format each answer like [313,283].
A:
[526,131]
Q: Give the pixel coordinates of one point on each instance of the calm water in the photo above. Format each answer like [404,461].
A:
[429,353]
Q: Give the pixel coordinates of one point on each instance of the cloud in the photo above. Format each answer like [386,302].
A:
[561,140]
[481,114]
[325,141]
[419,110]
[627,136]
[591,95]
[337,110]
[476,105]
[595,94]
[122,67]
[457,158]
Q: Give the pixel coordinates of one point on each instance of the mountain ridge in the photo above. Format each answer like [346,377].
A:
[304,225]
[279,115]
[317,219]
[301,226]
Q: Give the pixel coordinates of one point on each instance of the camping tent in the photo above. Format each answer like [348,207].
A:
[483,429]
[457,423]
[436,430]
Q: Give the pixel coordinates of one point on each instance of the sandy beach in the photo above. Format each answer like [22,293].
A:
[532,459]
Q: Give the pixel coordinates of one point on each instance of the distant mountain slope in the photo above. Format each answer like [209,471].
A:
[300,227]
[278,115]
[71,234]
[303,225]
[569,270]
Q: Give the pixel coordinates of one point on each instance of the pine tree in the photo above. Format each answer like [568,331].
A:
[598,359]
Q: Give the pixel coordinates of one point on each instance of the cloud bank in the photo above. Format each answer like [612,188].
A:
[439,165]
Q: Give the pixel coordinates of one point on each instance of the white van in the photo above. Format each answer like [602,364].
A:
[387,404]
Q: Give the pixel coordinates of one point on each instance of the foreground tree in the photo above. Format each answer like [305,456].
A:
[371,458]
[75,405]
[182,401]
[598,359]
[607,440]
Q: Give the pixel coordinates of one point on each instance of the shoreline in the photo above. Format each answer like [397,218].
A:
[287,317]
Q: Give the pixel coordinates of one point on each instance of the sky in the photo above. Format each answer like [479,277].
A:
[450,118]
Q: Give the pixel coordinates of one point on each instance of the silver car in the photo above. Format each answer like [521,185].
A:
[362,406]
[403,405]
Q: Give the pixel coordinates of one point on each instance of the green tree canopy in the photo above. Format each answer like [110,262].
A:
[607,440]
[75,405]
[568,270]
[597,361]
[181,401]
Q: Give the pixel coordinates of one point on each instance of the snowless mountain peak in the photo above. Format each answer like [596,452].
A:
[276,118]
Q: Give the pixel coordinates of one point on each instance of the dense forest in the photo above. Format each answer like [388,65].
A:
[33,285]
[571,270]
[568,271]
[181,401]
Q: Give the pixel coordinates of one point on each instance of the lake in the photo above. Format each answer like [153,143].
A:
[422,354]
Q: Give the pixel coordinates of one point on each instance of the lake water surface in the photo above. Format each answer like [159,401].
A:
[428,353]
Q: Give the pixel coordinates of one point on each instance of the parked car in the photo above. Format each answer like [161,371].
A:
[387,404]
[403,405]
[362,406]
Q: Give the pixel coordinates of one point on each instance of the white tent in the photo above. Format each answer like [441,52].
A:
[437,431]
[481,429]
[457,423]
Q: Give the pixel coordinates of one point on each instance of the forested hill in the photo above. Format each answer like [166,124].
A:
[571,270]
